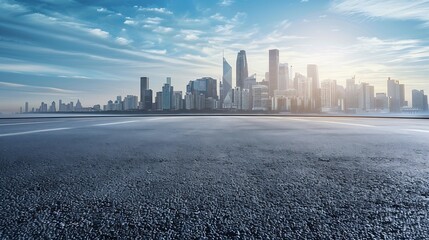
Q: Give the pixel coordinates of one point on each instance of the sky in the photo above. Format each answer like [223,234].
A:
[96,50]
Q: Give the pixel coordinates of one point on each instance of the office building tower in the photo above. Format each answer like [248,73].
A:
[351,95]
[366,100]
[144,86]
[78,106]
[167,95]
[283,83]
[26,107]
[147,105]
[131,102]
[242,71]
[313,73]
[177,100]
[402,101]
[394,94]
[329,94]
[249,82]
[53,107]
[420,100]
[381,102]
[226,81]
[260,98]
[273,70]
[158,101]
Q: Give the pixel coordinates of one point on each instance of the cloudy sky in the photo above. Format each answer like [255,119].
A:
[95,50]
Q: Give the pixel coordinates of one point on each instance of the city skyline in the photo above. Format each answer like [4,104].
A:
[50,51]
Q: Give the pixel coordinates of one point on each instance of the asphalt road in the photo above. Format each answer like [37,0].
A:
[214,177]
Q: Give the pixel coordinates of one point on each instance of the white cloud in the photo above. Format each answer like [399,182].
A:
[159,52]
[153,20]
[389,9]
[161,29]
[101,10]
[226,3]
[99,33]
[11,6]
[130,22]
[218,17]
[123,41]
[157,10]
[32,88]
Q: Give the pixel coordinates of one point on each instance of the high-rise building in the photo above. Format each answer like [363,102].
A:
[351,95]
[131,102]
[167,95]
[53,107]
[381,102]
[177,100]
[420,100]
[313,73]
[26,107]
[366,97]
[147,105]
[242,71]
[226,81]
[249,82]
[394,94]
[402,101]
[329,94]
[260,98]
[273,70]
[283,77]
[158,101]
[144,85]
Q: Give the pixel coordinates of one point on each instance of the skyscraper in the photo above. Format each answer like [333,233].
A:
[242,71]
[273,70]
[26,107]
[420,100]
[226,81]
[167,95]
[144,85]
[394,94]
[284,77]
[313,73]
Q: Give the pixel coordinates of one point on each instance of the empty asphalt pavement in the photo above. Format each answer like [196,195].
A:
[214,177]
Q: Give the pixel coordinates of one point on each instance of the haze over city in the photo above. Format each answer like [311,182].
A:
[70,50]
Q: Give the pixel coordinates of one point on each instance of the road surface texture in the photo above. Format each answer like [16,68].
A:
[214,177]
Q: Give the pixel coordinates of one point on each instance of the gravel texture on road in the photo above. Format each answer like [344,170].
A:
[214,178]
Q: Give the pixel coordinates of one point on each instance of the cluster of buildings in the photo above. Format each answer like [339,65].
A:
[281,90]
[62,107]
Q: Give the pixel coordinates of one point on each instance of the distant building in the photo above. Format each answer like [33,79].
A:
[351,95]
[206,88]
[158,101]
[366,100]
[26,107]
[381,102]
[273,69]
[329,94]
[53,107]
[395,93]
[167,95]
[260,97]
[147,104]
[420,100]
[283,77]
[177,100]
[242,71]
[144,87]
[226,83]
[131,102]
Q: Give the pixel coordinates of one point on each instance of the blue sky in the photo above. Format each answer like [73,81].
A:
[95,50]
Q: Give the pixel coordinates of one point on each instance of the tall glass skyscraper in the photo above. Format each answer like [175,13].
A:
[242,71]
[144,85]
[273,70]
[226,80]
[313,73]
